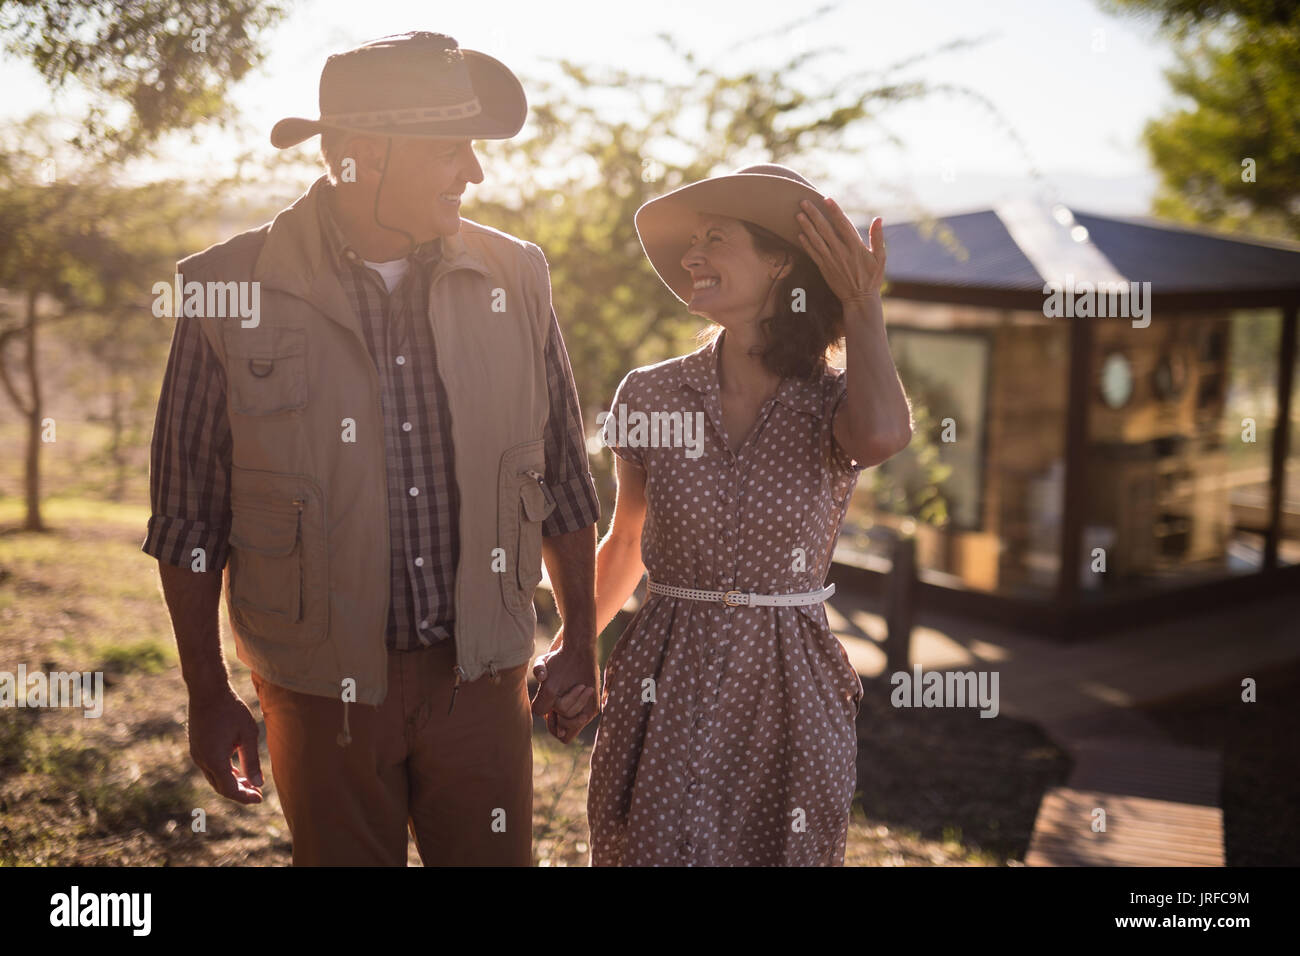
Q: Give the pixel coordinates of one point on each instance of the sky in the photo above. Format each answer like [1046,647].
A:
[1072,84]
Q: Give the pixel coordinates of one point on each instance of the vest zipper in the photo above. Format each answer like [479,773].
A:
[302,571]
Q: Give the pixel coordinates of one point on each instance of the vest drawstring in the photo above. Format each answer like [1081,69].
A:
[455,687]
[345,737]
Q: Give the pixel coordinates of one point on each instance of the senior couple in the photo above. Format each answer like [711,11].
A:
[382,464]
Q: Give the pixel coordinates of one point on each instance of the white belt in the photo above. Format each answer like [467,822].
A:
[735,598]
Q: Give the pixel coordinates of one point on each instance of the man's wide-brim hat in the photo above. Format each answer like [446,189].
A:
[767,195]
[413,84]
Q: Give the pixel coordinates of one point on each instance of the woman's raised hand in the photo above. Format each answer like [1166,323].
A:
[853,268]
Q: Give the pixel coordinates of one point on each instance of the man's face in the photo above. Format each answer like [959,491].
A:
[422,191]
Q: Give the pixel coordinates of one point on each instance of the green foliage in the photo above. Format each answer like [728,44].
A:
[77,234]
[1239,66]
[911,483]
[170,61]
[81,255]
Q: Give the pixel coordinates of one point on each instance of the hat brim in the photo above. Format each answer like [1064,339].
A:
[499,92]
[664,224]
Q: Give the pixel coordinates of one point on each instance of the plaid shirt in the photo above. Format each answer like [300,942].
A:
[189,478]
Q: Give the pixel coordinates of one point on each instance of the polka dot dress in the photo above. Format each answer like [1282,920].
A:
[727,734]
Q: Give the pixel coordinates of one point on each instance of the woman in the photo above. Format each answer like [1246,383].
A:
[727,731]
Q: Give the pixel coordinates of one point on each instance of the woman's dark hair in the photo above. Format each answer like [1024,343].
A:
[796,344]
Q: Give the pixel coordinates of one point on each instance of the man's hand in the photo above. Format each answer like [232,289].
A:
[567,687]
[220,725]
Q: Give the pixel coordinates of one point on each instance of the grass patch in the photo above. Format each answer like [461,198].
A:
[146,657]
[78,511]
[65,757]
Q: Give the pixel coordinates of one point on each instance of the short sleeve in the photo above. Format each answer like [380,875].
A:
[836,389]
[614,422]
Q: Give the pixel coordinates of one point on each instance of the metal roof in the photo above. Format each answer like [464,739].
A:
[1021,246]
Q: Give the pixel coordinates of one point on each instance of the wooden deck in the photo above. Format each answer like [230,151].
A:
[1160,802]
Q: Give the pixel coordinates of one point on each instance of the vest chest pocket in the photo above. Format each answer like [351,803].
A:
[524,503]
[277,588]
[266,371]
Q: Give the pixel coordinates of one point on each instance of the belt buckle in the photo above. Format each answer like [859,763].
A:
[732,598]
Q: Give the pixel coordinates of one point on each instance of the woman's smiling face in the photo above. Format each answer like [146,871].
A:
[731,281]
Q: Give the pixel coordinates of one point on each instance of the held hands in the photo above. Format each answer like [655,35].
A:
[566,689]
[854,269]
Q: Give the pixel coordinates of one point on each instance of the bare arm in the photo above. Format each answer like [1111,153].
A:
[192,600]
[220,723]
[567,675]
[570,564]
[874,421]
[618,559]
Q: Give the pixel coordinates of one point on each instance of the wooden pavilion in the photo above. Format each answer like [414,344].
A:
[1075,435]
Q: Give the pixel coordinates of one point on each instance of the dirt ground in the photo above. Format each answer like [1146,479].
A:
[936,788]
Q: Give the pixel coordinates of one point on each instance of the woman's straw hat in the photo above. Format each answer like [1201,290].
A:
[767,195]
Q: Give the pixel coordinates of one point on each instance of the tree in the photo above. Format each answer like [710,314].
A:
[1233,158]
[78,248]
[151,67]
[170,62]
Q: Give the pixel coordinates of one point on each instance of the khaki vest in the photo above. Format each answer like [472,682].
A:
[307,583]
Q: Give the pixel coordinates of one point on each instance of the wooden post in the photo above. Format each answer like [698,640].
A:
[900,606]
[1281,435]
[1075,506]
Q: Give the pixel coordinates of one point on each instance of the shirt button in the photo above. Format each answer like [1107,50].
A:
[413,492]
[419,562]
[406,426]
[400,360]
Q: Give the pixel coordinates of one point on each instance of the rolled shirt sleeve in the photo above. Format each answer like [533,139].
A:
[190,457]
[568,472]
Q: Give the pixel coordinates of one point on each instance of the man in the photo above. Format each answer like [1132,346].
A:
[380,459]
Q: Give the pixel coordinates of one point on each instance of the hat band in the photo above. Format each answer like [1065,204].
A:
[406,117]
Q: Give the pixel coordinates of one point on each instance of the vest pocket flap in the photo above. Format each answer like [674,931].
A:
[272,533]
[538,500]
[266,370]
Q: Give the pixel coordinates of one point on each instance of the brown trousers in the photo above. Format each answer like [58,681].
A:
[462,782]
